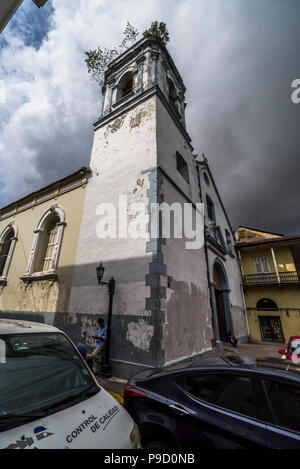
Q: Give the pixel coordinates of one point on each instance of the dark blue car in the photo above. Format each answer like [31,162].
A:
[230,402]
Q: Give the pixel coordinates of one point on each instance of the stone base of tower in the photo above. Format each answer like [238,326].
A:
[134,341]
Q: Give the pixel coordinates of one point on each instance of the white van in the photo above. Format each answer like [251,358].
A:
[49,399]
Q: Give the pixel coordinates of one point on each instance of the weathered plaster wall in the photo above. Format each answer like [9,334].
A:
[229,262]
[41,295]
[132,347]
[122,150]
[169,141]
[188,328]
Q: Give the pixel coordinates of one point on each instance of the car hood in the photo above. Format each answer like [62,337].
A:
[98,422]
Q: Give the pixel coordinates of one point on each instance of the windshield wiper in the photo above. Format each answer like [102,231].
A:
[21,416]
[45,353]
[11,419]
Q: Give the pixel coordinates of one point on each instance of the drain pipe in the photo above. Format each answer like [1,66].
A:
[242,292]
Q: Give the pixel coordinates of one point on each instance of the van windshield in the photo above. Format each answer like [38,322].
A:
[38,371]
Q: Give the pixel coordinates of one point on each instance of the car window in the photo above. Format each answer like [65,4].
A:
[204,387]
[284,402]
[237,396]
[231,392]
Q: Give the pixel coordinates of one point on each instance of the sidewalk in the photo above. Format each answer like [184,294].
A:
[259,350]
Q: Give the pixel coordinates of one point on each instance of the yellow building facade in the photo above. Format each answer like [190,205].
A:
[271,281]
[38,242]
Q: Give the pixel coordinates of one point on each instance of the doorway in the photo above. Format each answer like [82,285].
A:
[221,315]
[222,302]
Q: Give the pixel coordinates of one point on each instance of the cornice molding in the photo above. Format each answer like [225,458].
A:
[53,191]
[51,277]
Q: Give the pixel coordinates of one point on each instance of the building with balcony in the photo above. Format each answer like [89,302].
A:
[271,281]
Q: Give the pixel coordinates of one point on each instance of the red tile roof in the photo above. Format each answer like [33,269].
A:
[283,239]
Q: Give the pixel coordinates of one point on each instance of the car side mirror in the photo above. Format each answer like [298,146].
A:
[282,352]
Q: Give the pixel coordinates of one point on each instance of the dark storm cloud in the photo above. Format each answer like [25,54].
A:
[60,159]
[243,118]
[238,59]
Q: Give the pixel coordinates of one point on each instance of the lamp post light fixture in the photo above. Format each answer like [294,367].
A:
[100,273]
[106,368]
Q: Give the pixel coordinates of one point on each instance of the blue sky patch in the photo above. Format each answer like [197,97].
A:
[32,24]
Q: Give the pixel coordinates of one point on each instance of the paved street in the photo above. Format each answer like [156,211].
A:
[259,350]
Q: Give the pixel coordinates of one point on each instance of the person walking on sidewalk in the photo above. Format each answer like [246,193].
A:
[231,339]
[98,353]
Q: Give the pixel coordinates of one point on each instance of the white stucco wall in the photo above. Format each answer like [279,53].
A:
[121,151]
[188,328]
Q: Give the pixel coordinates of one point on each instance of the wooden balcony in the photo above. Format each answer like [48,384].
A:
[271,279]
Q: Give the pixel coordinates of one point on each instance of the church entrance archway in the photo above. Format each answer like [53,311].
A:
[222,302]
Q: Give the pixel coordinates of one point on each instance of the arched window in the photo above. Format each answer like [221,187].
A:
[5,248]
[266,305]
[125,86]
[210,209]
[46,245]
[46,251]
[228,241]
[182,167]
[8,240]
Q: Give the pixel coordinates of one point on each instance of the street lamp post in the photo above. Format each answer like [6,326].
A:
[106,368]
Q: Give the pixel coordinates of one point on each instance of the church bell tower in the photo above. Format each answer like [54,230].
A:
[146,67]
[142,154]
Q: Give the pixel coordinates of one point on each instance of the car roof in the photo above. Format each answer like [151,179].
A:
[267,366]
[15,326]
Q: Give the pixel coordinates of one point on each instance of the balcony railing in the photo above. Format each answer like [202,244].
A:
[286,278]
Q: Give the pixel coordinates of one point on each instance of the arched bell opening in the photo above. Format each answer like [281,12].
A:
[125,86]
